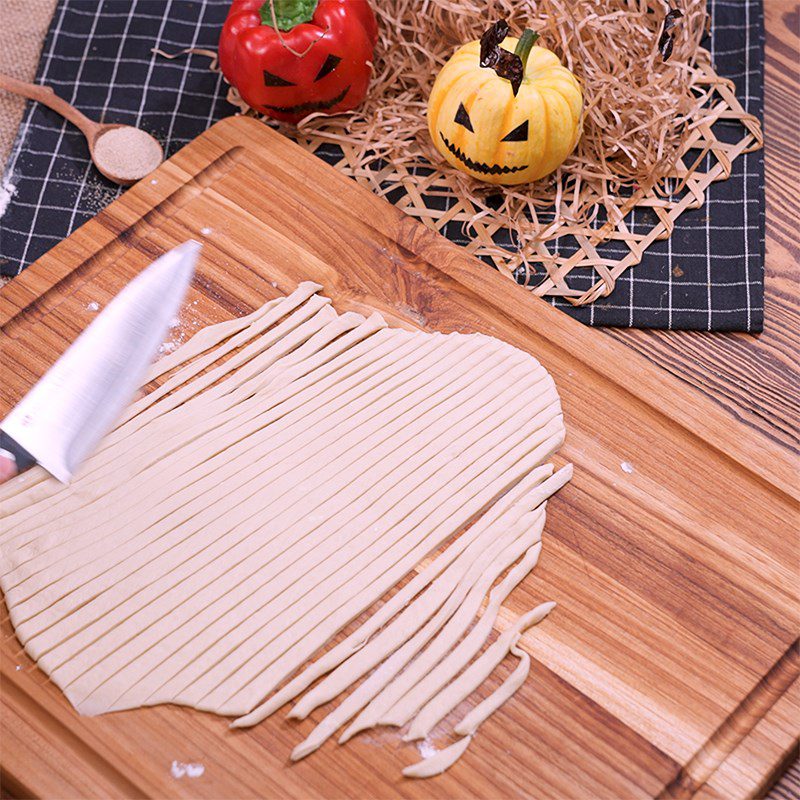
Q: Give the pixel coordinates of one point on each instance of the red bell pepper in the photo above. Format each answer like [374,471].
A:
[289,58]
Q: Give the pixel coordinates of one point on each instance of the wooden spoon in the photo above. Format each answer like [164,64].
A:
[123,158]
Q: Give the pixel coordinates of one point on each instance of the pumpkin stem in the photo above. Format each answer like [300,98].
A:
[285,14]
[524,46]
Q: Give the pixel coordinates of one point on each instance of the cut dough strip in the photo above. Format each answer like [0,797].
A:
[438,763]
[470,723]
[210,337]
[286,315]
[469,680]
[421,681]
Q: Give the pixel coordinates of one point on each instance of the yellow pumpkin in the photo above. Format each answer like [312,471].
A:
[485,128]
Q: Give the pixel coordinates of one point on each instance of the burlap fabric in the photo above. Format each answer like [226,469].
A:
[24,26]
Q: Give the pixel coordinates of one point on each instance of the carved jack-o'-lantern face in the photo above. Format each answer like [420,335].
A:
[290,58]
[327,98]
[505,126]
[520,133]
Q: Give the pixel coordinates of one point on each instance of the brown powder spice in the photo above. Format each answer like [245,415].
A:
[127,153]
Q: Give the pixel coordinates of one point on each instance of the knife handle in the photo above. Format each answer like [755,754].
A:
[19,458]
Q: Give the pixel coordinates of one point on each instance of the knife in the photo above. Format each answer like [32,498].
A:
[63,417]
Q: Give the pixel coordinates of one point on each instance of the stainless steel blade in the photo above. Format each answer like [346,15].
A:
[64,416]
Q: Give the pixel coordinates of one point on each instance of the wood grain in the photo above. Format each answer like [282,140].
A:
[673,640]
[755,378]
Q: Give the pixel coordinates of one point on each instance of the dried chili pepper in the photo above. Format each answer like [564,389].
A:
[490,43]
[506,64]
[665,41]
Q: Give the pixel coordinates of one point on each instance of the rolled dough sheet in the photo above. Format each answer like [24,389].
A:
[291,467]
[538,484]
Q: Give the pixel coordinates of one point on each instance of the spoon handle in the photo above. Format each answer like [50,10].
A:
[46,96]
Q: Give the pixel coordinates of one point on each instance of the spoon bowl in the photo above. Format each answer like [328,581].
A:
[125,155]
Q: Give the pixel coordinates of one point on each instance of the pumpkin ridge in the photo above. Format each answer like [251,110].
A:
[558,99]
[507,115]
[469,101]
[551,63]
[485,84]
[446,89]
[545,127]
[451,73]
[458,74]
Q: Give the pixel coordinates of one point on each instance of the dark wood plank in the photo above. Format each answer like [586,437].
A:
[755,378]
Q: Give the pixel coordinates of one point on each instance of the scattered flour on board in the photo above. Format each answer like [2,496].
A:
[177,336]
[179,769]
[7,191]
[206,231]
[93,306]
[18,667]
[626,466]
[426,748]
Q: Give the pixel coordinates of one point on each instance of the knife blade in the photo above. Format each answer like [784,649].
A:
[63,417]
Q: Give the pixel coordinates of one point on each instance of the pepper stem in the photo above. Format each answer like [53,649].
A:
[285,14]
[524,45]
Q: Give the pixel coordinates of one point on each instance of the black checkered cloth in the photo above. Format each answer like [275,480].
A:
[708,276]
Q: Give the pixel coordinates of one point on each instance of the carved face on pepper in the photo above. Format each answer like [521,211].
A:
[505,111]
[291,58]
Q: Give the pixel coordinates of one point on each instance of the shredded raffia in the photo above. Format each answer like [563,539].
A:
[637,108]
[640,115]
[189,51]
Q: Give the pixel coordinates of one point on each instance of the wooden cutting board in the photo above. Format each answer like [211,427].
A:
[669,667]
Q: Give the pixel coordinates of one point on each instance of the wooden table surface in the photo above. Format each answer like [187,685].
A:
[674,664]
[756,377]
